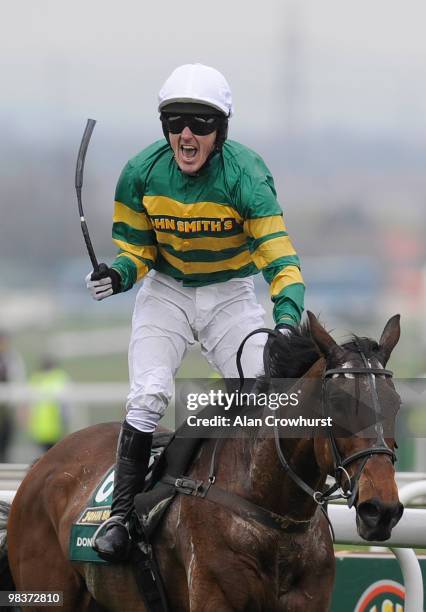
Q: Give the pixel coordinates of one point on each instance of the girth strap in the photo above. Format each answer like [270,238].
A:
[148,579]
[237,504]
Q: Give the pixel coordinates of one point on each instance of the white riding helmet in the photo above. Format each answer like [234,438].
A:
[196,83]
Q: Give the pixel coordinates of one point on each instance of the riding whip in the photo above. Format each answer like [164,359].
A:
[78,186]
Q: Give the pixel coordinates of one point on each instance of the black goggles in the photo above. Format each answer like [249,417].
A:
[200,125]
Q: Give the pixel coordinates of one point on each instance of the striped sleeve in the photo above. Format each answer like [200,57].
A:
[132,231]
[272,251]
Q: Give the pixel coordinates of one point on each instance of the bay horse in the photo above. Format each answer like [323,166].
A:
[212,559]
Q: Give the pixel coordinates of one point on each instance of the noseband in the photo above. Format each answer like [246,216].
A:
[340,464]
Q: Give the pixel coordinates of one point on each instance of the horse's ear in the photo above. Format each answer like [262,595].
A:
[322,338]
[389,338]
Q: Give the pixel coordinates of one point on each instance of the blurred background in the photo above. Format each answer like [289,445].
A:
[330,94]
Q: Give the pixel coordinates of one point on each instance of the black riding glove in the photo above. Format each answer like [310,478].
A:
[103,283]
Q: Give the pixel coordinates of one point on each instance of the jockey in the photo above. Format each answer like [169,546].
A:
[196,216]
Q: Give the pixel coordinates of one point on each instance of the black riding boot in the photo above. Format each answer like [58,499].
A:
[133,452]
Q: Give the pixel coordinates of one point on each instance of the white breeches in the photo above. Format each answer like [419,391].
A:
[167,318]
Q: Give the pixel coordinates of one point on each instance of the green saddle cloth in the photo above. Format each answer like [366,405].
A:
[98,508]
[96,512]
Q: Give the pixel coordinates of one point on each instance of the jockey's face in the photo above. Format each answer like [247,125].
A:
[191,151]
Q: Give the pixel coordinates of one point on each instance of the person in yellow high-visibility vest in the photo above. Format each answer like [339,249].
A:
[47,414]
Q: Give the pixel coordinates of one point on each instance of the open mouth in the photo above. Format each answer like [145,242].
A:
[188,152]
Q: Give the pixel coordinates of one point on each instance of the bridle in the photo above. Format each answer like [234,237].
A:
[379,446]
[340,464]
[248,510]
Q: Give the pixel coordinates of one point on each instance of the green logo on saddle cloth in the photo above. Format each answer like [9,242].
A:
[99,507]
[95,513]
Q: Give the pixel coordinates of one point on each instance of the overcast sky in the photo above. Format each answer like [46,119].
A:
[325,63]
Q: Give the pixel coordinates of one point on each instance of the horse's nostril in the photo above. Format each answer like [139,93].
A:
[374,512]
[370,513]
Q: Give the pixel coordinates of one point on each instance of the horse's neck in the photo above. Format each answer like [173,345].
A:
[269,484]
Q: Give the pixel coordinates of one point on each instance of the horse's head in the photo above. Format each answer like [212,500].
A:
[360,451]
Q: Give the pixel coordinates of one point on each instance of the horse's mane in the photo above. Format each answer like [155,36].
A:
[292,356]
